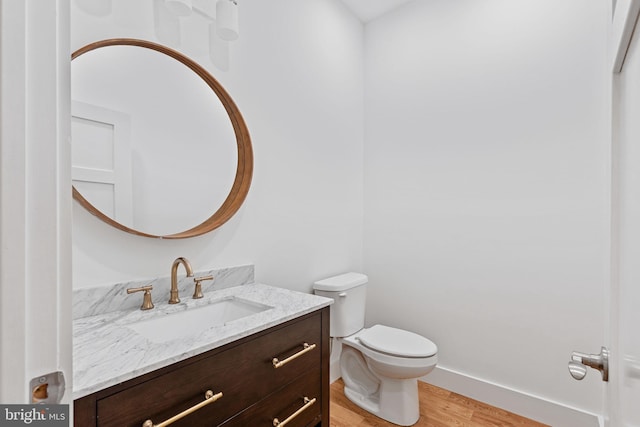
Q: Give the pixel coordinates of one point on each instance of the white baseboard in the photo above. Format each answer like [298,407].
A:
[533,407]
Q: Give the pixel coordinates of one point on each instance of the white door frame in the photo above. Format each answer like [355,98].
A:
[624,20]
[35,196]
[623,24]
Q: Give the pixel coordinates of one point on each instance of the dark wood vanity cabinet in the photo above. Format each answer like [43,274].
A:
[254,392]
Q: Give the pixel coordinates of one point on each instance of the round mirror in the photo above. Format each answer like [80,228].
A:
[159,149]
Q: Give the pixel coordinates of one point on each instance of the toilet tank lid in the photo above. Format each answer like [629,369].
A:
[341,282]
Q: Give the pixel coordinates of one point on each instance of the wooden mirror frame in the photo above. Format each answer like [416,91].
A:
[244,170]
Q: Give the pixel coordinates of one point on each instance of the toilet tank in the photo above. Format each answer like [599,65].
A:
[349,293]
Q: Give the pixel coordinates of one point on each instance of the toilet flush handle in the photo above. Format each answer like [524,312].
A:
[342,294]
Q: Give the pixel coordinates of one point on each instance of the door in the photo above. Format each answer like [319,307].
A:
[624,388]
[101,159]
[35,203]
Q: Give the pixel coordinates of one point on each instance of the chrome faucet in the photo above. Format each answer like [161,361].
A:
[174,299]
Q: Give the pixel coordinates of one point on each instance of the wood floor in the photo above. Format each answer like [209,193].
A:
[438,408]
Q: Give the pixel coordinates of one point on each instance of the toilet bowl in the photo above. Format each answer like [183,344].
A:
[380,365]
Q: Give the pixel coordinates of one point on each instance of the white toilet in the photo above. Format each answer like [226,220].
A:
[380,365]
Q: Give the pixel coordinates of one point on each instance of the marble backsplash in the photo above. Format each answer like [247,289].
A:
[113,297]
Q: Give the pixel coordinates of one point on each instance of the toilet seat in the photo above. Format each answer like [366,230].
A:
[397,342]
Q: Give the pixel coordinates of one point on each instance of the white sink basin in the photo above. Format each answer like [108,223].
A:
[196,320]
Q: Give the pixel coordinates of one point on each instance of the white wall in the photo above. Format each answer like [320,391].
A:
[299,87]
[487,186]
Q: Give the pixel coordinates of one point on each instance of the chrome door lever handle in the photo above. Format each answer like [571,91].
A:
[579,362]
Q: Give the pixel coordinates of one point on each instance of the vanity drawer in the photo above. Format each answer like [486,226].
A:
[284,403]
[243,373]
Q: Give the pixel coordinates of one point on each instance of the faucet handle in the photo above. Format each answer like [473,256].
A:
[197,292]
[147,304]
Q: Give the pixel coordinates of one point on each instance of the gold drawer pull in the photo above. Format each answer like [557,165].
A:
[209,397]
[307,348]
[307,402]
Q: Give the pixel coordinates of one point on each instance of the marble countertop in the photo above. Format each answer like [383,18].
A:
[107,351]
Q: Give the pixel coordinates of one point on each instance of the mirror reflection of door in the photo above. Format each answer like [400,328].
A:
[101,159]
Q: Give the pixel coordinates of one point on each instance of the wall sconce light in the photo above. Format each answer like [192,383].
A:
[227,19]
[180,23]
[95,7]
[179,7]
[226,14]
